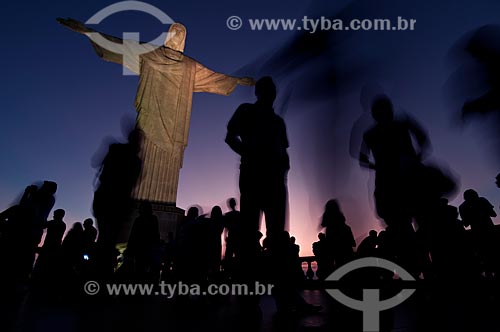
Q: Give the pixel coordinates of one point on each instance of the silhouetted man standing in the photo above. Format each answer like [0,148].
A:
[477,212]
[232,224]
[397,164]
[55,230]
[259,136]
[48,264]
[113,202]
[90,232]
[396,160]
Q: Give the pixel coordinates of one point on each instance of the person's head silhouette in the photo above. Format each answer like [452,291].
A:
[382,109]
[231,203]
[59,214]
[193,212]
[216,212]
[49,187]
[77,227]
[87,223]
[265,90]
[332,206]
[470,194]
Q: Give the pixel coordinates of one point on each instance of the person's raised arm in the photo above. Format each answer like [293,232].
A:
[109,48]
[207,80]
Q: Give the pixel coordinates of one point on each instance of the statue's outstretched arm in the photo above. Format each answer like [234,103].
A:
[110,48]
[74,25]
[207,80]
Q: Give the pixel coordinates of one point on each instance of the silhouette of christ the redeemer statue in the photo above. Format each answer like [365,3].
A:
[167,81]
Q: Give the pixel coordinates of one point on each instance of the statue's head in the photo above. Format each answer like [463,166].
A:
[176,37]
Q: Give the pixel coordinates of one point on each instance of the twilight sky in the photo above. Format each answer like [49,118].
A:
[60,101]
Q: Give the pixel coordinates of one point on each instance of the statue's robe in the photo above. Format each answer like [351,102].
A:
[167,80]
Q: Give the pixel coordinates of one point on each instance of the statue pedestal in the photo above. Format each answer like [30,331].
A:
[169,219]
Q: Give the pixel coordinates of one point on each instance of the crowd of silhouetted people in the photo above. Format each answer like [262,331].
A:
[459,243]
[50,260]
